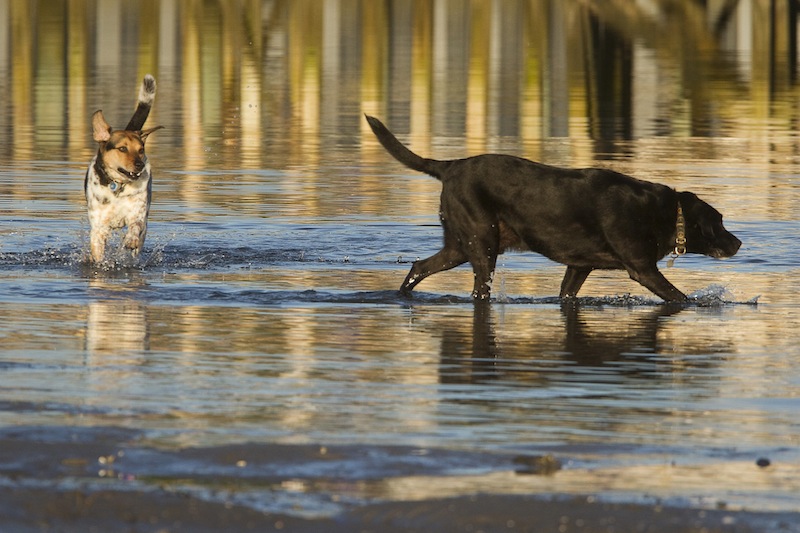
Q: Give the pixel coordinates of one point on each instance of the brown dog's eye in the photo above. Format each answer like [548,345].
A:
[123,149]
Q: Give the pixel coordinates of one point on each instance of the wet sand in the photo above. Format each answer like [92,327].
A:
[36,510]
[107,479]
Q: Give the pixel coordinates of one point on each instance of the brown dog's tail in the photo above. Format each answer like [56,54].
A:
[432,167]
[147,93]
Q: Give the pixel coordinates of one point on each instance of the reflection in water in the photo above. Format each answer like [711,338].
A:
[116,340]
[116,327]
[232,72]
[251,85]
[618,389]
[612,340]
[480,345]
[628,343]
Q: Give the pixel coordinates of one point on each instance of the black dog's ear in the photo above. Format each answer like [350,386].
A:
[699,213]
[101,131]
[144,133]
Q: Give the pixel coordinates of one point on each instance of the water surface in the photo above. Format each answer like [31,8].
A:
[262,327]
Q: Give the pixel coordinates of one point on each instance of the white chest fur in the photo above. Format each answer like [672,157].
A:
[118,205]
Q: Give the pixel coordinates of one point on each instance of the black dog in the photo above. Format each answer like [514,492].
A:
[586,219]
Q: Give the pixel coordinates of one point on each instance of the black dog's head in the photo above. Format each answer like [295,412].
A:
[705,233]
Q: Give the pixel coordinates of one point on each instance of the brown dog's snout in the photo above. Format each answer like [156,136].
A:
[136,172]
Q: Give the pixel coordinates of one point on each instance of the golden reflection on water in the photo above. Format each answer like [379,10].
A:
[273,84]
[264,83]
[690,482]
[282,85]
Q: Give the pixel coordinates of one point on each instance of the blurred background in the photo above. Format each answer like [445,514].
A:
[591,70]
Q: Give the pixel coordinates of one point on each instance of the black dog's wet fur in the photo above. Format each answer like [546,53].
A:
[586,219]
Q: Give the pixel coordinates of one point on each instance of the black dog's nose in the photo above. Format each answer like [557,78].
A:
[737,244]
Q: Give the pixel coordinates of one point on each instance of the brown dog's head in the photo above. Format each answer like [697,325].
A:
[705,233]
[121,151]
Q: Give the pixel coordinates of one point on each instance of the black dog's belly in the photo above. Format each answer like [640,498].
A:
[582,254]
[585,258]
[568,246]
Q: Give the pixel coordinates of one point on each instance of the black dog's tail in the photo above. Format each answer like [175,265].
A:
[147,93]
[432,167]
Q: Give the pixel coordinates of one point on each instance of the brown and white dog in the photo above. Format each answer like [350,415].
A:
[118,182]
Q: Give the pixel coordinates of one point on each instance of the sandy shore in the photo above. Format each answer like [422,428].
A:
[68,479]
[43,510]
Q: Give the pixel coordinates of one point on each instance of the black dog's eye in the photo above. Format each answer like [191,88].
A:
[123,149]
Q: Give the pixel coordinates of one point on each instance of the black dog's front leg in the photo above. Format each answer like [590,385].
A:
[654,280]
[573,280]
[444,259]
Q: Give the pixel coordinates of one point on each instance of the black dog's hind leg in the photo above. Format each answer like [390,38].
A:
[483,270]
[483,246]
[444,259]
[483,263]
[573,280]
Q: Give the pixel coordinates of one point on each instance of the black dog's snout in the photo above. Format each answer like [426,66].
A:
[735,244]
[727,246]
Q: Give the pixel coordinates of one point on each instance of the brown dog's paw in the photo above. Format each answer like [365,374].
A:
[133,242]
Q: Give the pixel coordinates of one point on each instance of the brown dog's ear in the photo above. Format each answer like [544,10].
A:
[144,133]
[100,128]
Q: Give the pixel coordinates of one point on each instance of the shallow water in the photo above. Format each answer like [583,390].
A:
[264,316]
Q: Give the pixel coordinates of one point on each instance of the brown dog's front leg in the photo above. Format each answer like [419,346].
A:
[444,259]
[97,241]
[134,238]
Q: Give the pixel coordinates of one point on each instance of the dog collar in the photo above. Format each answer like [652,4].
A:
[680,238]
[680,233]
[115,187]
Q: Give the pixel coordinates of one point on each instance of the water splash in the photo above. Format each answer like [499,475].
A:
[718,295]
[167,255]
[45,257]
